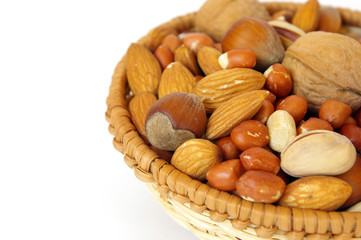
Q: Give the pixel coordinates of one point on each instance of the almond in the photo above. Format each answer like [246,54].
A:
[219,87]
[142,69]
[138,108]
[208,60]
[316,192]
[307,16]
[232,112]
[185,56]
[330,20]
[176,78]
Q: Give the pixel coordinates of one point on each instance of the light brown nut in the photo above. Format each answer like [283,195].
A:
[257,35]
[316,192]
[250,133]
[278,80]
[287,32]
[307,16]
[176,78]
[138,108]
[172,42]
[237,58]
[352,132]
[330,20]
[318,152]
[215,17]
[208,60]
[187,58]
[335,112]
[234,111]
[217,88]
[142,69]
[174,119]
[195,157]
[224,176]
[260,186]
[164,56]
[228,149]
[195,40]
[294,105]
[352,177]
[313,123]
[264,112]
[281,129]
[257,158]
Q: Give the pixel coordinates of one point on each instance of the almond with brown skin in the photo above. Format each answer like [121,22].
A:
[138,108]
[208,59]
[142,69]
[218,87]
[307,16]
[232,112]
[176,78]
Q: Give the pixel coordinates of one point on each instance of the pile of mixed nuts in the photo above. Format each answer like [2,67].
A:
[261,111]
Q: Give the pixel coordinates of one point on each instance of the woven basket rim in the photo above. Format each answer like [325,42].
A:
[148,167]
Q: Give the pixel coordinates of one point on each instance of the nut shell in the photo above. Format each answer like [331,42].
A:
[318,152]
[215,17]
[325,66]
[173,119]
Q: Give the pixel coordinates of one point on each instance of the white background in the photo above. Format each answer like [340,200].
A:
[60,177]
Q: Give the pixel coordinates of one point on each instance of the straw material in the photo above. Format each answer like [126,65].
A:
[207,212]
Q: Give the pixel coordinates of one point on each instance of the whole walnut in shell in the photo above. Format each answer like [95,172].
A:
[215,17]
[325,66]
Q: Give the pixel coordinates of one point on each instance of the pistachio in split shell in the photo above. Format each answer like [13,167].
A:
[318,152]
[287,32]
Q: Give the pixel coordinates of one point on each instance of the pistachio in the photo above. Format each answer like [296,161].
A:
[318,152]
[287,32]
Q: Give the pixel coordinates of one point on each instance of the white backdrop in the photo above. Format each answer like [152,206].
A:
[60,177]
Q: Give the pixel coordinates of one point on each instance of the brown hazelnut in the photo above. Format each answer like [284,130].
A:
[174,119]
[257,35]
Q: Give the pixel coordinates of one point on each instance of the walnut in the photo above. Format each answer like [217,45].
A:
[215,17]
[325,66]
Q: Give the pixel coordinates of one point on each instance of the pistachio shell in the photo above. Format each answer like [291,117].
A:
[318,152]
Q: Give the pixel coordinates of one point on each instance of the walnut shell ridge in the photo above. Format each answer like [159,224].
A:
[325,66]
[215,17]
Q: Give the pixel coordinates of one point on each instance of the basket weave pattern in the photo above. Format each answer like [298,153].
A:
[207,212]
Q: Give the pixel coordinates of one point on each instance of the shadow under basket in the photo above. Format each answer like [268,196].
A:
[207,212]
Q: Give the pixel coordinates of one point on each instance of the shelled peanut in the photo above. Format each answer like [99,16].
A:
[228,110]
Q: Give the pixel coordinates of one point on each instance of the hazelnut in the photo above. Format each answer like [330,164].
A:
[195,157]
[174,119]
[257,35]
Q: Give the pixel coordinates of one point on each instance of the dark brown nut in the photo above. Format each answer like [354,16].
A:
[174,119]
[257,158]
[260,186]
[225,175]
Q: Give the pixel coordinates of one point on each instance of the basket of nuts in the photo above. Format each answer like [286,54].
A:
[244,119]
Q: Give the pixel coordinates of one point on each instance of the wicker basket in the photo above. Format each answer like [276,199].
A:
[207,212]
